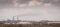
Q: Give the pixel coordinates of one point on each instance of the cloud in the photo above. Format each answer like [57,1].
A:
[37,14]
[41,13]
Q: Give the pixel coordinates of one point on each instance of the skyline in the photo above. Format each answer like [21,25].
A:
[37,14]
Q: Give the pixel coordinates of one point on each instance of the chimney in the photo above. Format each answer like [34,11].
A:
[17,18]
[13,18]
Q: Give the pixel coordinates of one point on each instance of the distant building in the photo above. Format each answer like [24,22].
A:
[24,23]
[55,22]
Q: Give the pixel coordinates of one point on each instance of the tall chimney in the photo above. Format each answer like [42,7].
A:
[13,18]
[17,18]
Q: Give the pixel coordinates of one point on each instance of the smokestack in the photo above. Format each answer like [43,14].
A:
[13,18]
[17,18]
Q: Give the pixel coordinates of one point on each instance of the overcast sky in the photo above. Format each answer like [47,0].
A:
[35,14]
[33,10]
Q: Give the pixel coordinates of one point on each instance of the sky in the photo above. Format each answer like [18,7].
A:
[34,10]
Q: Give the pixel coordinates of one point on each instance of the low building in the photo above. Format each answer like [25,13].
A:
[24,23]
